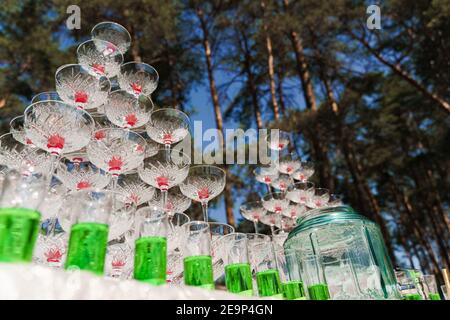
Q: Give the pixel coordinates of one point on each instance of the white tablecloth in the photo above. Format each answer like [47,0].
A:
[25,281]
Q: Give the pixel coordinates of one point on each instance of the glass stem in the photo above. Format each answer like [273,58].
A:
[114,182]
[163,199]
[167,148]
[205,211]
[255,223]
[272,229]
[54,164]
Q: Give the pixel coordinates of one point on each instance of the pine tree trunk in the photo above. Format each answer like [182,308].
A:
[251,81]
[270,66]
[217,109]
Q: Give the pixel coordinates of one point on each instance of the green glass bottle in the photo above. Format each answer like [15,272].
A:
[319,292]
[269,284]
[150,260]
[293,290]
[87,246]
[434,296]
[198,271]
[238,278]
[19,228]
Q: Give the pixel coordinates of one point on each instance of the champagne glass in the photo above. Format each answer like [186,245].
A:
[113,33]
[301,192]
[275,202]
[78,176]
[101,58]
[18,131]
[51,249]
[164,171]
[168,126]
[138,78]
[77,87]
[176,201]
[282,182]
[266,175]
[253,211]
[319,199]
[335,200]
[295,211]
[125,110]
[278,140]
[15,155]
[305,171]
[116,151]
[119,260]
[289,163]
[271,219]
[133,190]
[204,183]
[57,127]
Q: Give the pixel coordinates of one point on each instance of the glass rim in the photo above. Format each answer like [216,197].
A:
[44,92]
[171,109]
[99,79]
[311,184]
[258,236]
[120,129]
[159,213]
[14,119]
[82,111]
[280,131]
[149,98]
[214,223]
[162,149]
[146,65]
[112,23]
[208,165]
[275,170]
[272,193]
[182,214]
[241,207]
[100,40]
[204,226]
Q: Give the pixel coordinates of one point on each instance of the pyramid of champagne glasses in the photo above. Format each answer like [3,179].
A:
[91,179]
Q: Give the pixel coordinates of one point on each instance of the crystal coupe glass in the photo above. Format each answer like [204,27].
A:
[125,110]
[78,87]
[101,58]
[204,182]
[113,33]
[138,78]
